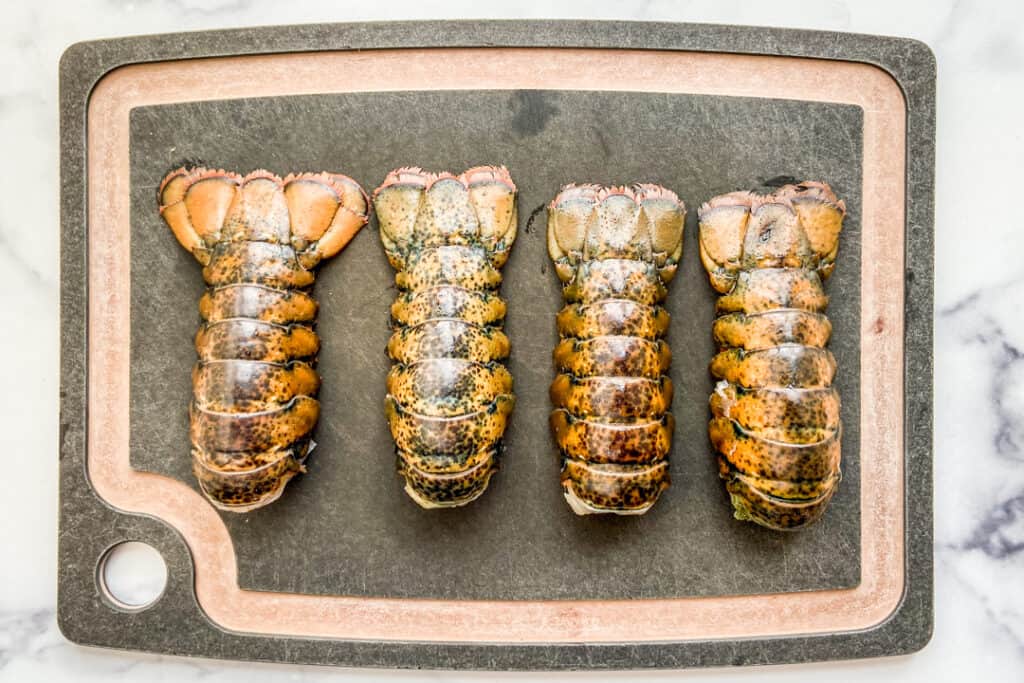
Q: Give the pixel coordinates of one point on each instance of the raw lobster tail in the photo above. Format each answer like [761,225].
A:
[615,249]
[254,387]
[775,415]
[449,396]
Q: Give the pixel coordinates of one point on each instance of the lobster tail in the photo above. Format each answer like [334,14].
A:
[615,249]
[254,401]
[775,415]
[449,396]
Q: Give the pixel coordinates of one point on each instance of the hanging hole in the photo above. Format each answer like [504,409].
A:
[132,575]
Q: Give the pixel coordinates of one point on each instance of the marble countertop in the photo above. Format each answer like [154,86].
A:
[979,347]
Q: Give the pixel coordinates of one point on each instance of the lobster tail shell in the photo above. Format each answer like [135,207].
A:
[775,415]
[615,249]
[449,397]
[258,237]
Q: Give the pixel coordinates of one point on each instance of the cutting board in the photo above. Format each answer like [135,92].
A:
[345,569]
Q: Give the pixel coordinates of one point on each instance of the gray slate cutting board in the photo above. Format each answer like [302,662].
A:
[346,528]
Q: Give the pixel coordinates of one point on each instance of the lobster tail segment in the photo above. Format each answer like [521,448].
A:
[775,414]
[258,237]
[449,396]
[615,249]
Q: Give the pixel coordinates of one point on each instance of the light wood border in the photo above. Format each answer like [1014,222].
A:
[590,621]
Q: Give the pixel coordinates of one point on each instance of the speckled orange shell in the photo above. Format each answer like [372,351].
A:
[449,397]
[615,250]
[775,415]
[259,237]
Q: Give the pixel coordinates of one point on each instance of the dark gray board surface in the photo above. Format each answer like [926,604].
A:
[175,624]
[347,528]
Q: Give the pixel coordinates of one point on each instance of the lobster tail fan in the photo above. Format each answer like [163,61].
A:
[195,204]
[665,215]
[353,196]
[343,228]
[775,239]
[312,203]
[618,232]
[397,204]
[258,212]
[492,195]
[175,213]
[570,218]
[488,175]
[209,198]
[446,216]
[172,187]
[326,211]
[723,228]
[821,216]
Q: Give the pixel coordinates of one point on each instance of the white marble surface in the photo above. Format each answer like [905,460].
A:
[979,350]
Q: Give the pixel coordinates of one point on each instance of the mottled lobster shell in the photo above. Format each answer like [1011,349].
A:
[775,415]
[615,249]
[449,397]
[259,237]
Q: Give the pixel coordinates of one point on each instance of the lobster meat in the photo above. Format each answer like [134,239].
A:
[615,249]
[259,239]
[449,396]
[775,414]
